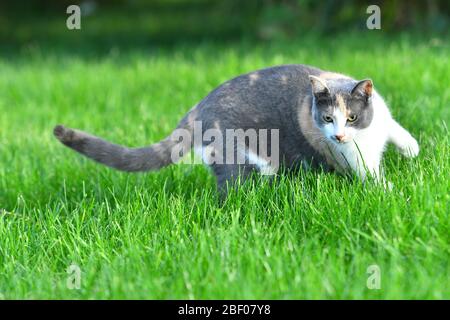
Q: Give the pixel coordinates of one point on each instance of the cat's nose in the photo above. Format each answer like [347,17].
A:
[339,137]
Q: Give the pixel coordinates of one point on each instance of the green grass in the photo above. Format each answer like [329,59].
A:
[163,235]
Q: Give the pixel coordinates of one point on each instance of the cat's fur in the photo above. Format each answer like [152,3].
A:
[299,101]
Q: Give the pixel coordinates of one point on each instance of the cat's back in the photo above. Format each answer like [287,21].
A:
[267,81]
[263,92]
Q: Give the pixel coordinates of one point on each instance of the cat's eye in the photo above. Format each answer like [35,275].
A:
[328,118]
[352,118]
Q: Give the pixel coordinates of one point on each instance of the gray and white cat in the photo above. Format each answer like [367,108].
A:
[323,119]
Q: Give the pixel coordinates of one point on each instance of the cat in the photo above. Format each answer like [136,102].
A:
[322,119]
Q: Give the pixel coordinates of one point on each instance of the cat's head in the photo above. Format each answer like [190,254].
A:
[341,107]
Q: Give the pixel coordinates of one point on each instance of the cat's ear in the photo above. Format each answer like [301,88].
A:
[363,88]
[319,87]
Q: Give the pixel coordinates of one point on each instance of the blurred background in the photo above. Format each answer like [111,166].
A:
[130,23]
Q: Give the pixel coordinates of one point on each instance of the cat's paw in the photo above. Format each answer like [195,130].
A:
[63,134]
[410,148]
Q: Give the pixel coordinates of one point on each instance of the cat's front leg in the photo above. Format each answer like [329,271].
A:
[403,140]
[375,173]
[367,165]
[369,170]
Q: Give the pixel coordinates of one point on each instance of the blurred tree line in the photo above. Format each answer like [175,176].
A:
[263,19]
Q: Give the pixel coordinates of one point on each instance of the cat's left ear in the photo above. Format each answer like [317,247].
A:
[363,88]
[319,87]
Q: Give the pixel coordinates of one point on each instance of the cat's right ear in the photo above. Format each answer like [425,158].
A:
[318,86]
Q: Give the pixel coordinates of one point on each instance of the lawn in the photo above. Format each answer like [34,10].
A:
[163,234]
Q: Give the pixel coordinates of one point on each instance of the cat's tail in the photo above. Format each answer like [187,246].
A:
[153,157]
